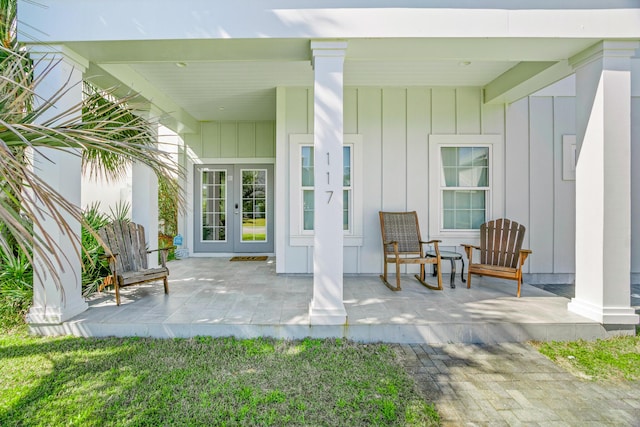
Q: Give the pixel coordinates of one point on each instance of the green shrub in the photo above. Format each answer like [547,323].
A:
[16,287]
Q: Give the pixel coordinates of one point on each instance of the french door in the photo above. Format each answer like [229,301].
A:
[233,208]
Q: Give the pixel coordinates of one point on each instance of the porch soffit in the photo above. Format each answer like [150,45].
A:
[236,79]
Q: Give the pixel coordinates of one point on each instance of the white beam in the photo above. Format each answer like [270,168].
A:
[315,19]
[523,80]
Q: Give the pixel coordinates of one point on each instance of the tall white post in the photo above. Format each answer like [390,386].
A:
[603,183]
[144,205]
[327,307]
[57,301]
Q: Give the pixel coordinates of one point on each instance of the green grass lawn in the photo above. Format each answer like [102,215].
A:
[615,358]
[204,381]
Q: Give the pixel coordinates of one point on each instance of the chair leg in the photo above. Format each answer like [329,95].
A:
[166,285]
[469,278]
[519,284]
[385,281]
[117,288]
[425,284]
[398,275]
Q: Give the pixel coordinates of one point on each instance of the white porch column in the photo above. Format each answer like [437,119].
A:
[603,183]
[144,205]
[327,307]
[55,302]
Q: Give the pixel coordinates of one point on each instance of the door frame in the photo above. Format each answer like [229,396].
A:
[233,243]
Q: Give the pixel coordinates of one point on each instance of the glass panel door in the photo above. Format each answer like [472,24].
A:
[233,208]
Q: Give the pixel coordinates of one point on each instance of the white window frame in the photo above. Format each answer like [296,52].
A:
[297,235]
[495,194]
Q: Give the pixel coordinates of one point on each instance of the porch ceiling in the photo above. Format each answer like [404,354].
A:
[201,80]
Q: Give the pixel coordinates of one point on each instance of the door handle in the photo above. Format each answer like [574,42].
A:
[236,212]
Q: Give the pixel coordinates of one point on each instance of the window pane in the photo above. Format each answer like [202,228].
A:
[480,156]
[308,204]
[466,177]
[463,220]
[213,204]
[451,177]
[346,163]
[254,205]
[449,216]
[307,166]
[477,219]
[465,156]
[478,199]
[482,174]
[346,208]
[463,200]
[448,199]
[463,209]
[449,156]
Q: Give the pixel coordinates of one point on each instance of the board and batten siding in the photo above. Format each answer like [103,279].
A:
[234,140]
[536,193]
[395,124]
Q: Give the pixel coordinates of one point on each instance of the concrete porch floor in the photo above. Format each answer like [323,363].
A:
[216,297]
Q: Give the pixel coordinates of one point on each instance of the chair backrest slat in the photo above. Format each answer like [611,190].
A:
[401,227]
[500,242]
[127,240]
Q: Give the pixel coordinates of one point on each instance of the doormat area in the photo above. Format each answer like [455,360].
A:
[249,258]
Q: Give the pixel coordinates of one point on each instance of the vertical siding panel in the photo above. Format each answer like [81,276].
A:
[246,139]
[194,141]
[565,191]
[517,168]
[265,139]
[468,103]
[394,149]
[370,127]
[211,140]
[297,111]
[350,110]
[229,139]
[493,119]
[297,104]
[443,111]
[541,163]
[418,155]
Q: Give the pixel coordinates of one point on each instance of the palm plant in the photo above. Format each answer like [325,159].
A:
[102,127]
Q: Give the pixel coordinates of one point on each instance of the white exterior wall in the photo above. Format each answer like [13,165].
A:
[395,124]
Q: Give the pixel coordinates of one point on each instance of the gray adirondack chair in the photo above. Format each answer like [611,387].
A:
[126,250]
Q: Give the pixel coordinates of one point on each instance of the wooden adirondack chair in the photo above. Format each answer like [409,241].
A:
[402,244]
[500,251]
[127,254]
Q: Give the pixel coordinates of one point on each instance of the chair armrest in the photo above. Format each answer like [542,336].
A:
[395,247]
[431,242]
[469,251]
[109,256]
[164,253]
[162,249]
[470,246]
[524,253]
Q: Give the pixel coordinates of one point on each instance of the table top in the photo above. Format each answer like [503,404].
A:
[445,254]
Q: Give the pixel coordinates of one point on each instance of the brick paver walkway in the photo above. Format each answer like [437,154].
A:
[513,385]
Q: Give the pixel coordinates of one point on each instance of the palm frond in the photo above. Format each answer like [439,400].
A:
[103,130]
